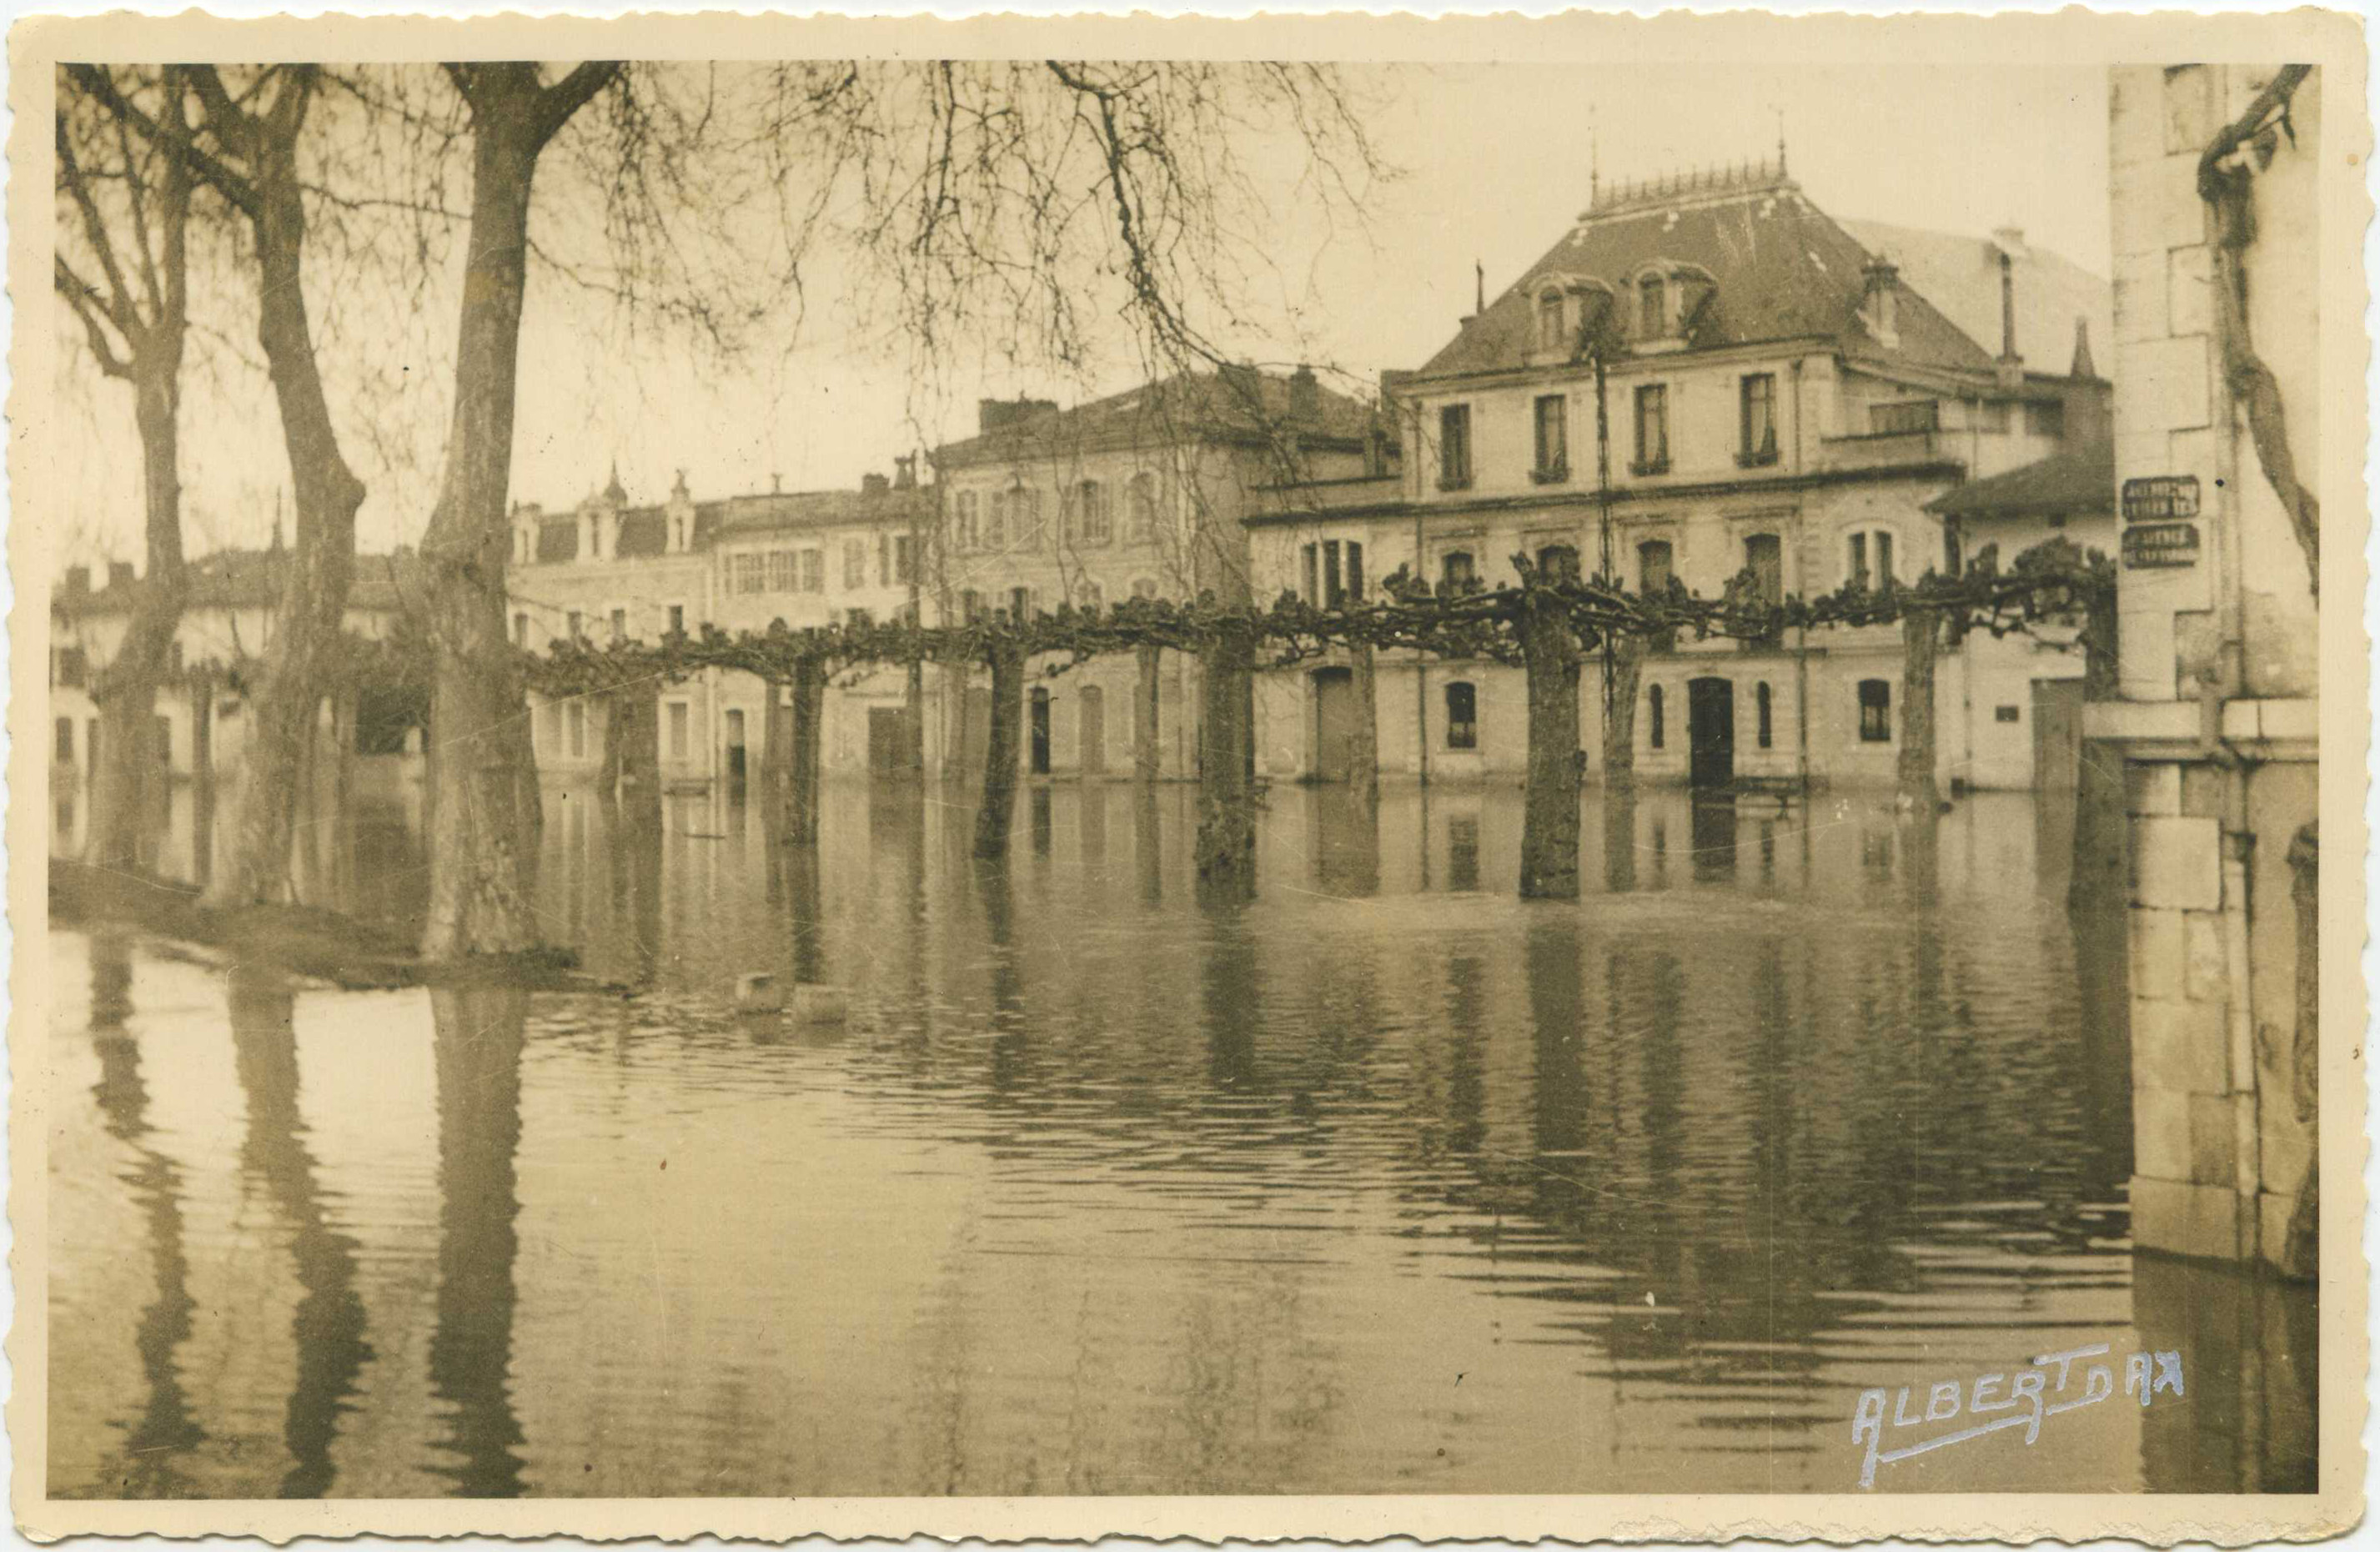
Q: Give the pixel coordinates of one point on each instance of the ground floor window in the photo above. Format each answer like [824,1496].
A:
[1876,711]
[678,721]
[1461,715]
[1760,700]
[66,741]
[578,730]
[1652,704]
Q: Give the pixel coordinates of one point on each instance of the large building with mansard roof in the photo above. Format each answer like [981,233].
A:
[1781,395]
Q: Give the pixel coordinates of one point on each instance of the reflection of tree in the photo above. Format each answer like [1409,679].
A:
[164,1427]
[329,1323]
[1346,829]
[634,860]
[1229,995]
[1149,861]
[479,1041]
[1619,838]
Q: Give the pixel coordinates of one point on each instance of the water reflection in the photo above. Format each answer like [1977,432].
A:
[1101,1189]
[329,1321]
[479,1035]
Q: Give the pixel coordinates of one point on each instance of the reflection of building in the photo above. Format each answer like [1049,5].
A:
[2219,649]
[1784,395]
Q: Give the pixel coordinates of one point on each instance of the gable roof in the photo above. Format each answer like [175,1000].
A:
[2081,478]
[1782,270]
[1250,407]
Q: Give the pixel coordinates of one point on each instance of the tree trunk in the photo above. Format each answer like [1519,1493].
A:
[2300,1250]
[776,754]
[1620,723]
[314,591]
[1227,831]
[913,726]
[1549,820]
[1001,753]
[126,689]
[1921,635]
[483,842]
[1147,745]
[810,748]
[2096,882]
[1363,758]
[635,741]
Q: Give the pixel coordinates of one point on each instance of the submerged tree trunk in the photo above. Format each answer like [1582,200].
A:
[809,748]
[2097,879]
[913,726]
[1620,723]
[1920,637]
[1364,757]
[776,756]
[1147,747]
[1227,829]
[483,838]
[1549,820]
[283,712]
[635,739]
[1001,753]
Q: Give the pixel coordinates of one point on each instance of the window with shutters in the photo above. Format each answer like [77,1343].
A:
[995,528]
[1876,711]
[1553,333]
[1141,504]
[1653,707]
[1455,573]
[855,565]
[1553,440]
[964,534]
[813,571]
[1758,421]
[1867,560]
[64,750]
[1652,430]
[1454,447]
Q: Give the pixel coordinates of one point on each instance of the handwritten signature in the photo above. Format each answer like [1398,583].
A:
[2026,1400]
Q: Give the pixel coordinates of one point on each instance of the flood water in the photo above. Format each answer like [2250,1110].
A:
[1385,1182]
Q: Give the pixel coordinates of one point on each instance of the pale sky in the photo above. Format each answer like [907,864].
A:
[1496,166]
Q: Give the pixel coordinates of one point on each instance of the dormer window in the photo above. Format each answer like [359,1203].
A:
[1652,308]
[1551,324]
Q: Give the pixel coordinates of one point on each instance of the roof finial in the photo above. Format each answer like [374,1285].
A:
[1594,162]
[1780,142]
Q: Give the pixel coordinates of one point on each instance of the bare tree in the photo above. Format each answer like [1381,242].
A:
[122,267]
[484,809]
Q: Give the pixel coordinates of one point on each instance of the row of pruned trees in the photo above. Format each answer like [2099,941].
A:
[1550,624]
[1038,210]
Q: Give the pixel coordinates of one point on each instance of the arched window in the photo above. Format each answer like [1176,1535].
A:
[1867,559]
[1461,715]
[1876,711]
[1558,563]
[1141,502]
[1760,698]
[1652,308]
[1653,705]
[1654,567]
[962,524]
[1096,518]
[1550,331]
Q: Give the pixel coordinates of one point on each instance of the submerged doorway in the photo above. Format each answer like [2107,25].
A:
[1334,724]
[1710,732]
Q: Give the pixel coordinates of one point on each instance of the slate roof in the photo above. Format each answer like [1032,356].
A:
[1190,405]
[1961,275]
[644,531]
[2072,479]
[1782,270]
[818,509]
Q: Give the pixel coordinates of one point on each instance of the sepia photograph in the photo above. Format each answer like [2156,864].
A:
[925,769]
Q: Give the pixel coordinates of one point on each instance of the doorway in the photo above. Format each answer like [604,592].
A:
[1710,732]
[735,747]
[1334,724]
[2057,733]
[1040,731]
[886,755]
[1091,710]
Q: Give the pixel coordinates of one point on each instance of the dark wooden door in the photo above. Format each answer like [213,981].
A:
[1710,732]
[2057,733]
[1335,723]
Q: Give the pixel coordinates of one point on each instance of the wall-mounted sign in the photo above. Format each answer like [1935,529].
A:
[2161,498]
[2161,544]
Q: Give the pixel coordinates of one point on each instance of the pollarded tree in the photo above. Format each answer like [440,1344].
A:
[122,268]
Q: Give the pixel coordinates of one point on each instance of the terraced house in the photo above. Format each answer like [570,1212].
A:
[1704,376]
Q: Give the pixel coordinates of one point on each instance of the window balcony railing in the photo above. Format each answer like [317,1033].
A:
[1550,474]
[1454,482]
[1882,449]
[1761,458]
[1642,467]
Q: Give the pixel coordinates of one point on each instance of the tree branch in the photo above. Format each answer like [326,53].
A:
[239,190]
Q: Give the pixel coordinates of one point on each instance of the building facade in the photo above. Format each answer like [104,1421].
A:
[2219,647]
[1773,396]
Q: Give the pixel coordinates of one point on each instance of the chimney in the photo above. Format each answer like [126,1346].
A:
[904,472]
[2010,241]
[1883,279]
[119,573]
[78,581]
[873,485]
[1305,395]
[2082,366]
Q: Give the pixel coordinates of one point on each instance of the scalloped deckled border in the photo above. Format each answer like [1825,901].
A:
[2332,40]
